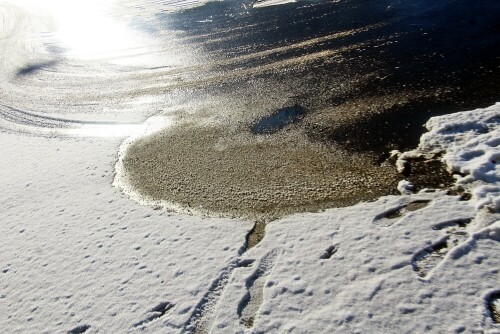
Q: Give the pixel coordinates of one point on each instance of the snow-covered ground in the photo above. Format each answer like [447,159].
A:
[77,252]
[77,255]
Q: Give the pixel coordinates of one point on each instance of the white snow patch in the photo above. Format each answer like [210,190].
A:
[470,140]
[405,187]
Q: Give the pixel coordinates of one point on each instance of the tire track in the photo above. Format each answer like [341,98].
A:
[202,318]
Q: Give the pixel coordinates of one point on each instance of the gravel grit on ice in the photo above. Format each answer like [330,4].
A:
[80,256]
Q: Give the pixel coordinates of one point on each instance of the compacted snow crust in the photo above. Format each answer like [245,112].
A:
[79,256]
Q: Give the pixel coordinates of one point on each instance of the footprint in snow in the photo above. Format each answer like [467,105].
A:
[328,253]
[390,216]
[79,329]
[428,258]
[155,313]
[251,302]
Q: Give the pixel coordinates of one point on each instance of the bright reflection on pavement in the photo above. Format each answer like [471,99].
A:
[104,130]
[86,28]
[153,124]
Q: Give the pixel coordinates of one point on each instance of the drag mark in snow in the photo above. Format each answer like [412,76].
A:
[156,313]
[389,217]
[79,329]
[252,300]
[427,259]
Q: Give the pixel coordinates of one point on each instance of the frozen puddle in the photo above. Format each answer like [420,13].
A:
[209,170]
[266,3]
[90,260]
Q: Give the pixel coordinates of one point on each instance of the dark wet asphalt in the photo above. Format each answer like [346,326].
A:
[296,107]
[427,58]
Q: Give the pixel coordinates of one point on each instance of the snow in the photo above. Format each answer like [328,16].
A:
[78,252]
[79,255]
[471,140]
[405,187]
[368,285]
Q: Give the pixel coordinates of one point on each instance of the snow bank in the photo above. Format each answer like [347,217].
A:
[471,141]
